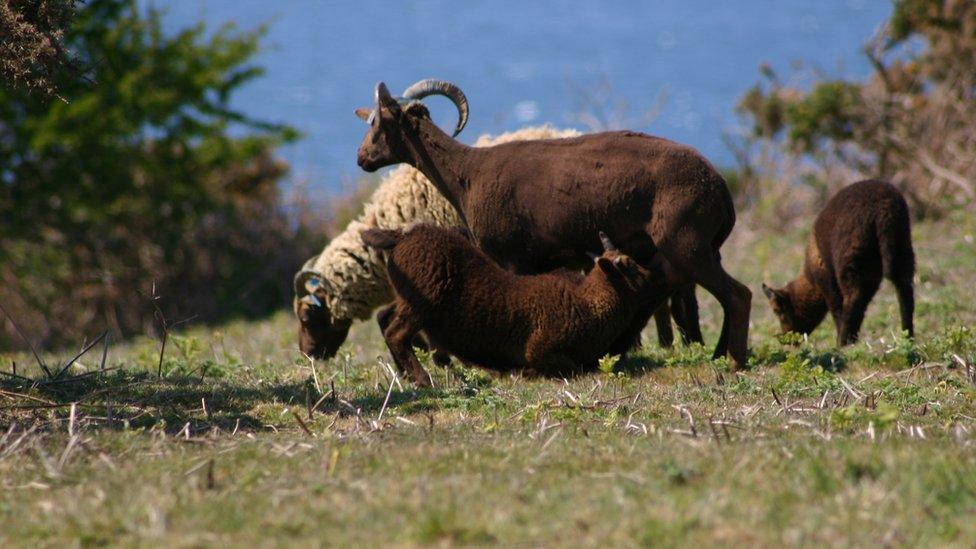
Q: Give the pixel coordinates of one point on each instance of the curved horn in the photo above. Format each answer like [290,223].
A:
[430,86]
[607,245]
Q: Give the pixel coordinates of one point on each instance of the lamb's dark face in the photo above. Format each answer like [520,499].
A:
[625,274]
[779,301]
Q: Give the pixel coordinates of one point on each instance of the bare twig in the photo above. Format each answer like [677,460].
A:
[84,350]
[387,399]
[37,357]
[302,424]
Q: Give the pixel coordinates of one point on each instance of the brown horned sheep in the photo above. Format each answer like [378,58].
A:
[549,324]
[863,234]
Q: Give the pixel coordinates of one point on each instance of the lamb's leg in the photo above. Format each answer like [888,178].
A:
[399,334]
[851,318]
[662,320]
[684,307]
[858,289]
[441,357]
[384,316]
[629,338]
[906,302]
[830,288]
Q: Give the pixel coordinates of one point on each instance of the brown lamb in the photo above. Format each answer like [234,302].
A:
[554,324]
[535,206]
[863,234]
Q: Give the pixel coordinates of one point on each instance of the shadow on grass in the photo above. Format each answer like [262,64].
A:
[122,399]
[639,364]
[141,400]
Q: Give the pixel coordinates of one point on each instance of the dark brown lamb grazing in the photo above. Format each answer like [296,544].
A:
[863,234]
[534,206]
[549,324]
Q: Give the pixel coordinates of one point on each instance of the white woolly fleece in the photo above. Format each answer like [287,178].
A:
[353,276]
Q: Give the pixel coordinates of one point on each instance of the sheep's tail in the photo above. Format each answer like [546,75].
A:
[381,239]
[895,240]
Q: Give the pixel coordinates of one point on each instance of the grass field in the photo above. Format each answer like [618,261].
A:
[244,441]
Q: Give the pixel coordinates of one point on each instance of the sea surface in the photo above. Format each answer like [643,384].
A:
[674,68]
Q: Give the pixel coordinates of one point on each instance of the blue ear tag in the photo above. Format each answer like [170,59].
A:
[312,284]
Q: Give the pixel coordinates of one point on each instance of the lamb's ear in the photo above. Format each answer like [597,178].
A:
[363,113]
[381,239]
[606,266]
[770,294]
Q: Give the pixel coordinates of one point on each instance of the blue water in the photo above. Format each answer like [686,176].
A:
[523,62]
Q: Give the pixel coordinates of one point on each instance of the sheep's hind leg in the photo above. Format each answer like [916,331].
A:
[398,333]
[906,303]
[735,298]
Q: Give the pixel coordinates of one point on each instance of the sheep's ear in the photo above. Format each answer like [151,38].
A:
[770,294]
[417,109]
[363,113]
[384,99]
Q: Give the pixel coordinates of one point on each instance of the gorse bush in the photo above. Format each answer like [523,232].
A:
[142,181]
[912,121]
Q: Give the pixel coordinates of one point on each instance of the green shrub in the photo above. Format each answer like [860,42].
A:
[141,181]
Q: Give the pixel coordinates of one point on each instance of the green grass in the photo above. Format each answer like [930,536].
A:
[871,444]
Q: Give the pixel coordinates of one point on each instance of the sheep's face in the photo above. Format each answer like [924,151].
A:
[385,141]
[319,334]
[782,305]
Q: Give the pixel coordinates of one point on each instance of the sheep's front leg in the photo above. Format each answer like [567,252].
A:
[398,333]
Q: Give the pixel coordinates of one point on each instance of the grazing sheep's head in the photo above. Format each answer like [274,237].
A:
[392,119]
[782,304]
[621,270]
[319,334]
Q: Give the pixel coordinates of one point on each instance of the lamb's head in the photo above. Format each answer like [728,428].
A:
[319,333]
[781,301]
[393,121]
[621,271]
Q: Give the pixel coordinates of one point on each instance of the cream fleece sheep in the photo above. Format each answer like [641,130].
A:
[352,275]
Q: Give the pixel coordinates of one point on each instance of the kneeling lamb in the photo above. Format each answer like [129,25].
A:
[862,234]
[550,324]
